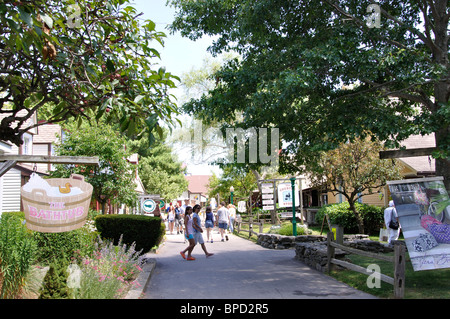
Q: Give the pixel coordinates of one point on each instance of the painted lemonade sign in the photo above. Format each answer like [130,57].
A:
[57,204]
[423,208]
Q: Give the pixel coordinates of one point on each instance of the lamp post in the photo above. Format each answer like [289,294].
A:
[231,191]
[294,218]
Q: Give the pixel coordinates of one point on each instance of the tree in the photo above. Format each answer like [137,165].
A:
[323,75]
[159,170]
[113,179]
[84,59]
[354,170]
[55,285]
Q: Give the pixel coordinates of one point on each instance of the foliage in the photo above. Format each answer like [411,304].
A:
[144,231]
[340,214]
[319,73]
[17,255]
[160,172]
[84,60]
[113,178]
[288,230]
[243,182]
[354,170]
[55,282]
[108,273]
[64,246]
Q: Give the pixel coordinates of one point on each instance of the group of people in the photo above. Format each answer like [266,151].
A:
[193,227]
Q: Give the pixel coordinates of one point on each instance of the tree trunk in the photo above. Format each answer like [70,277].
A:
[359,219]
[443,164]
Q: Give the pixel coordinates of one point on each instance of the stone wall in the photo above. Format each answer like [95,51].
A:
[312,249]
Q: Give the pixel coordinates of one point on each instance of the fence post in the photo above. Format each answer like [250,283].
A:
[399,271]
[261,228]
[330,250]
[250,227]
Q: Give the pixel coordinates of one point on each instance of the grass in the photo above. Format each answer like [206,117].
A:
[427,284]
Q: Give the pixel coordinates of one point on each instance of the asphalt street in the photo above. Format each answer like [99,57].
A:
[239,269]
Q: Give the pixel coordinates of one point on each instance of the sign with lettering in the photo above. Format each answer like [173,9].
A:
[285,195]
[57,204]
[423,208]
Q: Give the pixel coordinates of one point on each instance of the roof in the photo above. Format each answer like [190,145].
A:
[421,164]
[47,134]
[198,183]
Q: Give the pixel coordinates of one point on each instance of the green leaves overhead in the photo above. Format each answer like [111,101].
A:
[315,70]
[90,59]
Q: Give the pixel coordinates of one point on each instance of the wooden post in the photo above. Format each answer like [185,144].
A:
[330,251]
[250,227]
[399,271]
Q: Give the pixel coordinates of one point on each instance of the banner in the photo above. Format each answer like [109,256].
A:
[423,208]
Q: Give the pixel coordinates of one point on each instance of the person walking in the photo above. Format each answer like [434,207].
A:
[171,217]
[188,234]
[197,225]
[390,214]
[223,217]
[178,220]
[209,223]
[232,210]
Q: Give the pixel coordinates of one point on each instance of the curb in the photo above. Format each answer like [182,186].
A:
[143,279]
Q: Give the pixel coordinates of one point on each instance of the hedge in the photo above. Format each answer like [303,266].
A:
[146,232]
[340,214]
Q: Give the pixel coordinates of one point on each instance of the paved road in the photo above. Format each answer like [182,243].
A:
[239,269]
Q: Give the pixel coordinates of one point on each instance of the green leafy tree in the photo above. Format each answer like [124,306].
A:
[84,59]
[322,74]
[354,170]
[159,169]
[113,178]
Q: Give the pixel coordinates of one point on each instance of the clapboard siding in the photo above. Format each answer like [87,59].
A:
[10,189]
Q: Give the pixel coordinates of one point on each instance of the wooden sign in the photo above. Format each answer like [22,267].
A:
[57,204]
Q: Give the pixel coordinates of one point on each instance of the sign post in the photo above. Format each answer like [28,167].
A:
[294,218]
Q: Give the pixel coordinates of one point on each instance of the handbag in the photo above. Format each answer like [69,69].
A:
[393,224]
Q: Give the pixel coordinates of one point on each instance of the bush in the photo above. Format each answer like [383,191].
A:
[146,232]
[65,246]
[288,230]
[55,285]
[341,215]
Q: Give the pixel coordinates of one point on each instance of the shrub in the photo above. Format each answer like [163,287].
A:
[288,230]
[146,232]
[17,254]
[65,246]
[341,215]
[55,282]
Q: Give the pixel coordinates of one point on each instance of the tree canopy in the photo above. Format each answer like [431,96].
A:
[323,74]
[87,59]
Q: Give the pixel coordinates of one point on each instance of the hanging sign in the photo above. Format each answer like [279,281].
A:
[423,208]
[149,206]
[285,195]
[57,204]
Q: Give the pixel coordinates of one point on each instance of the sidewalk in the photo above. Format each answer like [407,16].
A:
[240,269]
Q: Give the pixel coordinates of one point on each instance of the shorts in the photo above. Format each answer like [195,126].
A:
[190,236]
[198,238]
[223,225]
[209,224]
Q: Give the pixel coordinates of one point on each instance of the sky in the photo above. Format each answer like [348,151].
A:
[178,55]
